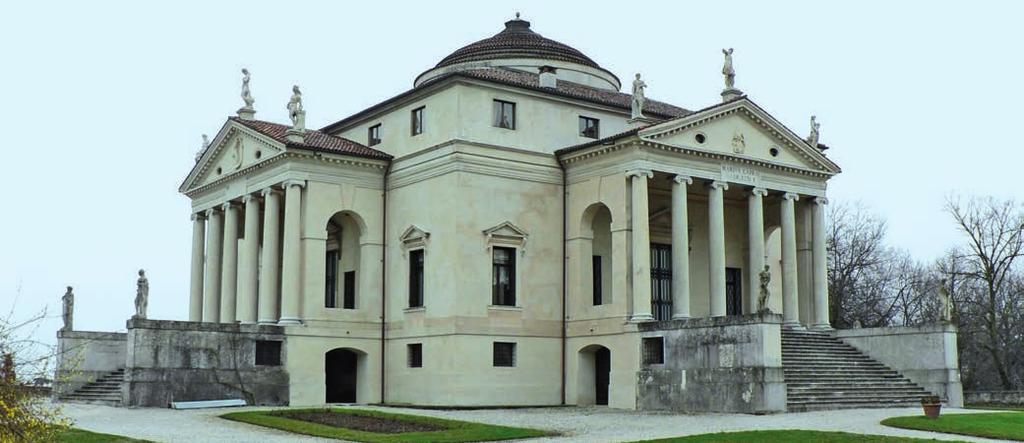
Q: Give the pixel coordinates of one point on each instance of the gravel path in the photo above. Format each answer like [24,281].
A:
[576,424]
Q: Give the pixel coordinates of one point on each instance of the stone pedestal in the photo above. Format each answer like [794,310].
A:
[731,94]
[247,113]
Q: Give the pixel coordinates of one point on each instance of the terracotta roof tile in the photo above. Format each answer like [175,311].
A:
[315,140]
[517,41]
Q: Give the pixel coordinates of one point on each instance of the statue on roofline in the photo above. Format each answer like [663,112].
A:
[815,132]
[246,92]
[637,105]
[295,111]
[727,70]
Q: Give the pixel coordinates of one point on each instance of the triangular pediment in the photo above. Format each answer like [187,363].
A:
[414,236]
[506,229]
[235,148]
[742,130]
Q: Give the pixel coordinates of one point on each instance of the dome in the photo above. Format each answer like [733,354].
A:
[519,47]
[517,40]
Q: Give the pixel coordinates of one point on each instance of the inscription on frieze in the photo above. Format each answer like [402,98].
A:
[734,173]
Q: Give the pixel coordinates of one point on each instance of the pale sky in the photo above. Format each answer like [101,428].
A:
[103,104]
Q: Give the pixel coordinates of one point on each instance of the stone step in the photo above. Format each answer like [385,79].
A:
[818,361]
[854,385]
[854,396]
[847,372]
[821,406]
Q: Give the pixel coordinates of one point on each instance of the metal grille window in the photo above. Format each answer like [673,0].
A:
[661,281]
[373,135]
[504,354]
[415,351]
[350,290]
[417,121]
[653,350]
[416,278]
[598,296]
[268,353]
[331,280]
[589,127]
[504,114]
[503,277]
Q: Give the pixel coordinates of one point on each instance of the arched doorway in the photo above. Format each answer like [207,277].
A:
[341,375]
[594,375]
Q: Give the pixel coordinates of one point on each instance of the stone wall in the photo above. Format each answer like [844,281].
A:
[1008,398]
[84,356]
[184,361]
[719,364]
[927,355]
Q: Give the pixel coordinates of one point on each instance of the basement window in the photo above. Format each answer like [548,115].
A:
[268,353]
[415,355]
[504,354]
[653,350]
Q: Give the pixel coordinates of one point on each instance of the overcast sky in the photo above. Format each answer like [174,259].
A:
[103,105]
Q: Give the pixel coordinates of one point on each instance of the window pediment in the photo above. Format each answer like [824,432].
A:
[414,237]
[505,234]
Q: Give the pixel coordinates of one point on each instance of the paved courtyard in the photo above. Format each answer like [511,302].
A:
[577,424]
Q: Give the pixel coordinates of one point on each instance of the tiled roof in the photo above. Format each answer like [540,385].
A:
[517,41]
[602,141]
[315,140]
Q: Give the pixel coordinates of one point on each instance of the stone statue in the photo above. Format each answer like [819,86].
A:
[295,111]
[246,93]
[765,294]
[141,295]
[68,312]
[637,106]
[206,144]
[727,70]
[857,324]
[813,138]
[945,303]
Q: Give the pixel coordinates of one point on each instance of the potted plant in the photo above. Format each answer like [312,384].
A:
[932,406]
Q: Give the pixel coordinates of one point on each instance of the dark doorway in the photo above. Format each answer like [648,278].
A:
[340,375]
[602,375]
[661,281]
[733,292]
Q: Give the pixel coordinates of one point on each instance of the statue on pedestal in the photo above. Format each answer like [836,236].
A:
[637,105]
[727,70]
[945,303]
[815,134]
[141,295]
[246,92]
[295,111]
[765,294]
[202,150]
[68,311]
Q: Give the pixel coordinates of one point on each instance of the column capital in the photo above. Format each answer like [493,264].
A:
[791,196]
[293,182]
[759,191]
[681,179]
[718,184]
[198,216]
[228,205]
[247,197]
[267,191]
[819,200]
[640,172]
[211,212]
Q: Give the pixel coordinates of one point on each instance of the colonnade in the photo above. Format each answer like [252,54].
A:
[240,281]
[642,309]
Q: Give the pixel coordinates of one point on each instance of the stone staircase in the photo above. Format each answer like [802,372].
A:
[105,390]
[822,372]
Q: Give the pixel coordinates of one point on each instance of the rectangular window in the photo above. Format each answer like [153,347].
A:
[417,121]
[268,353]
[504,114]
[598,296]
[654,350]
[350,290]
[331,280]
[504,354]
[373,135]
[503,278]
[415,351]
[416,278]
[589,127]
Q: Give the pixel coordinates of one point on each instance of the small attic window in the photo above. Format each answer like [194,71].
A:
[700,138]
[219,171]
[774,151]
[259,154]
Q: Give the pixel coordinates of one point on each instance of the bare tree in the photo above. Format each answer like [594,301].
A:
[994,231]
[855,250]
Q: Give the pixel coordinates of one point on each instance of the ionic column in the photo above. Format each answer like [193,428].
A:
[680,249]
[195,297]
[755,239]
[214,243]
[270,271]
[248,262]
[790,300]
[820,264]
[291,256]
[641,246]
[229,268]
[716,246]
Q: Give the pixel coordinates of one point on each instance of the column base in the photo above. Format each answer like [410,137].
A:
[289,321]
[265,321]
[796,326]
[681,317]
[822,327]
[641,318]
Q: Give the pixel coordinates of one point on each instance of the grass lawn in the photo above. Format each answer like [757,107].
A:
[453,431]
[82,436]
[995,406]
[1004,425]
[786,436]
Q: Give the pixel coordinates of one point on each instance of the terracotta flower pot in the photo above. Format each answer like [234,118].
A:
[931,410]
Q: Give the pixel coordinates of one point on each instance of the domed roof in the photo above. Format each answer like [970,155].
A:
[517,41]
